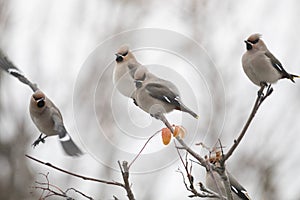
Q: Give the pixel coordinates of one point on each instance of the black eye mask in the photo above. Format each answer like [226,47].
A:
[248,46]
[125,54]
[119,58]
[255,41]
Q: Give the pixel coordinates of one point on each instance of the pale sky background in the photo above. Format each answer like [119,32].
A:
[68,47]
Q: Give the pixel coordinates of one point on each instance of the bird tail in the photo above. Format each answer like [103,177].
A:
[292,76]
[183,108]
[69,146]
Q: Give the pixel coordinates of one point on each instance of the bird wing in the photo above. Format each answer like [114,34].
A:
[67,143]
[237,188]
[277,65]
[58,122]
[163,93]
[10,68]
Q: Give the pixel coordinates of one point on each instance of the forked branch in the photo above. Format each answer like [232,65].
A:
[124,169]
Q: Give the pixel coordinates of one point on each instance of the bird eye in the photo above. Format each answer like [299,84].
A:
[125,54]
[255,41]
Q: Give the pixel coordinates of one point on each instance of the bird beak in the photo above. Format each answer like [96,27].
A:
[119,57]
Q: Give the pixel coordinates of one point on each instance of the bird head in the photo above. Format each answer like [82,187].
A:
[139,77]
[123,54]
[39,98]
[254,41]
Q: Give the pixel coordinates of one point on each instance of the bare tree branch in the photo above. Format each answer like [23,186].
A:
[49,190]
[205,192]
[125,173]
[124,170]
[259,100]
[144,146]
[76,175]
[75,190]
[194,154]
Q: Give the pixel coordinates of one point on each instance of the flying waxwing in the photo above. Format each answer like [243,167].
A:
[48,119]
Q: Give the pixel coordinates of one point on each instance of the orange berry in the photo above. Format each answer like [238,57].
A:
[179,131]
[166,136]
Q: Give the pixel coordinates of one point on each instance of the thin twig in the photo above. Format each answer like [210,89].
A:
[256,106]
[77,175]
[47,187]
[193,153]
[81,193]
[207,193]
[125,174]
[50,189]
[183,144]
[213,194]
[142,149]
[191,188]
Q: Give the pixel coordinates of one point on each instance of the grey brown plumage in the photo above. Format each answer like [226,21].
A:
[260,65]
[155,95]
[48,119]
[124,70]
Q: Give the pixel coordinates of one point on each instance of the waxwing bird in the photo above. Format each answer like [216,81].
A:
[48,119]
[260,65]
[238,191]
[124,70]
[214,181]
[157,96]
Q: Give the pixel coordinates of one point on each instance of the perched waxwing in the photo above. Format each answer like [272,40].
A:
[124,70]
[157,96]
[238,191]
[215,183]
[260,65]
[48,119]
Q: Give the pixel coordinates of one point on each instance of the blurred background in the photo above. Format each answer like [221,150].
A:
[68,47]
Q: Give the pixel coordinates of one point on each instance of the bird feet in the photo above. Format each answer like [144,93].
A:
[260,92]
[269,90]
[40,139]
[161,117]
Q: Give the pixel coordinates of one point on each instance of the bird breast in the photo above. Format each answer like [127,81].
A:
[259,68]
[43,122]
